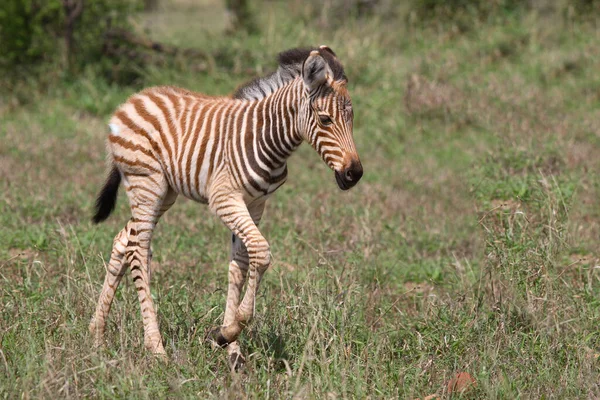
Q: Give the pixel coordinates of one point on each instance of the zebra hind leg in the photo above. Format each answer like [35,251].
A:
[114,272]
[149,198]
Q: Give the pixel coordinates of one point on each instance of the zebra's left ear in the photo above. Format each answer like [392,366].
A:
[315,71]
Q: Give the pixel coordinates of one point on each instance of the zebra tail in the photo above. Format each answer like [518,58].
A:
[105,203]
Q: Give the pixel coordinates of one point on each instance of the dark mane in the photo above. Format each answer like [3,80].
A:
[290,67]
[298,55]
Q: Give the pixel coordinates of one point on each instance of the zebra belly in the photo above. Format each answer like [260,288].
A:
[274,186]
[191,187]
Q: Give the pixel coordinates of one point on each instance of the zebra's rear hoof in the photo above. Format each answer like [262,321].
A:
[216,338]
[237,362]
[97,333]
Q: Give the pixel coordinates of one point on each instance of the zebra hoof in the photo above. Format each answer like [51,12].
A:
[97,333]
[215,337]
[156,349]
[237,362]
[92,326]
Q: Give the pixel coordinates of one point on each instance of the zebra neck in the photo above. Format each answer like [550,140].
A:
[278,114]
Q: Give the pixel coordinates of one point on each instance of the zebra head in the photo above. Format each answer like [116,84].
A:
[326,116]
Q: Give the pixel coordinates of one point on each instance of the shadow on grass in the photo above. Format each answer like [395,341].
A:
[269,344]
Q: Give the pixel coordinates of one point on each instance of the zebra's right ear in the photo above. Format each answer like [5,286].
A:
[315,71]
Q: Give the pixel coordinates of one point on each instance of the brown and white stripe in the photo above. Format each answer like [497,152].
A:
[229,153]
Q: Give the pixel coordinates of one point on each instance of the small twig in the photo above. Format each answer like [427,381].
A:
[10,259]
[488,213]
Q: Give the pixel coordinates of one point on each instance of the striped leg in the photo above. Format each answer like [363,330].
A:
[238,219]
[238,270]
[114,272]
[147,205]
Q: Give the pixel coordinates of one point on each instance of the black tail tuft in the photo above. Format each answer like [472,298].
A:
[107,198]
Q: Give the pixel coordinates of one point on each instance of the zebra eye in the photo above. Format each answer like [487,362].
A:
[325,120]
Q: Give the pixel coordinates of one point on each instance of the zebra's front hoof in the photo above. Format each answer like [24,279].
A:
[215,337]
[155,347]
[237,362]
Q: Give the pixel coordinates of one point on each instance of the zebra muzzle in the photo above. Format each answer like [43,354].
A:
[350,176]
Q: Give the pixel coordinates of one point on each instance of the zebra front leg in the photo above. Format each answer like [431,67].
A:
[114,272]
[238,270]
[239,220]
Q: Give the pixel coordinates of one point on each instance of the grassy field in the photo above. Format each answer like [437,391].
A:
[471,244]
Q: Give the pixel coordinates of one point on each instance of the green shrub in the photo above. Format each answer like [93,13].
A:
[33,32]
[28,30]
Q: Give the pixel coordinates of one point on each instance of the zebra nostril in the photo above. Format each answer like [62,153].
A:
[349,175]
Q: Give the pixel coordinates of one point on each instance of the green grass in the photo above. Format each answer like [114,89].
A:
[471,244]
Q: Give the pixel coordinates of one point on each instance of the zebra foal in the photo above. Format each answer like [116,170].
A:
[229,153]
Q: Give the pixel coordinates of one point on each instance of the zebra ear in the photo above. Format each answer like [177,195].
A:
[315,71]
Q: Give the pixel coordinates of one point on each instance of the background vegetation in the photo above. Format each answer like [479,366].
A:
[471,244]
